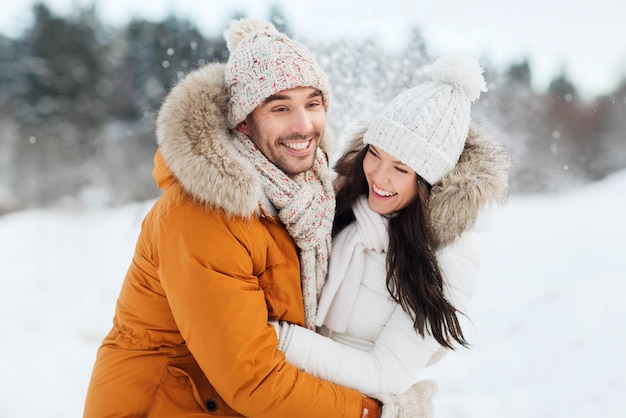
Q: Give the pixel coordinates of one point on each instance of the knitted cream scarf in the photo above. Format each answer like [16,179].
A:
[368,233]
[306,206]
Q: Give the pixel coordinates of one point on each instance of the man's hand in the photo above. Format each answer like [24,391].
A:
[416,402]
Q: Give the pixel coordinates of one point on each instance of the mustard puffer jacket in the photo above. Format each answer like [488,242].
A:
[190,335]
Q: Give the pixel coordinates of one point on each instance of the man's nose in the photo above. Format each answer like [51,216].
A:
[301,122]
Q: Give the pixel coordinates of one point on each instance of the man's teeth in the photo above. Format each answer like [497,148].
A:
[298,146]
[382,192]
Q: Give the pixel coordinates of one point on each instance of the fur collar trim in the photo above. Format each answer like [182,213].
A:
[197,146]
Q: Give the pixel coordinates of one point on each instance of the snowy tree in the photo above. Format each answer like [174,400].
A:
[610,145]
[78,103]
[158,54]
[575,125]
[58,103]
[8,68]
[62,70]
[513,113]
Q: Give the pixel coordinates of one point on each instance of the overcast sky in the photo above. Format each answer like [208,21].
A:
[586,39]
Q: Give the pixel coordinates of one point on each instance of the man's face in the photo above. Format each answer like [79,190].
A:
[288,127]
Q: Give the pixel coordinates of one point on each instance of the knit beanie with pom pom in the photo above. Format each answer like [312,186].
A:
[426,126]
[263,62]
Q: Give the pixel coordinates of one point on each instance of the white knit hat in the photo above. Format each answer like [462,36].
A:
[426,126]
[262,62]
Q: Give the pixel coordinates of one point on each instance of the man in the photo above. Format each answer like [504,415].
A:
[246,190]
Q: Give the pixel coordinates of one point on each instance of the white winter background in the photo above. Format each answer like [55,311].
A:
[547,317]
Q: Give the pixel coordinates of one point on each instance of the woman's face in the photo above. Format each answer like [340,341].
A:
[392,184]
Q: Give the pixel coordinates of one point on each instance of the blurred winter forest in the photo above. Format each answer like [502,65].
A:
[78,101]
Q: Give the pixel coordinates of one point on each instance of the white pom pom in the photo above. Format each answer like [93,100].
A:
[461,71]
[239,29]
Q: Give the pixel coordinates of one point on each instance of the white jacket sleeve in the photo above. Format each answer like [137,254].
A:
[459,262]
[399,354]
[391,366]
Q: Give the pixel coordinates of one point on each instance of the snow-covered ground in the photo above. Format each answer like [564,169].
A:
[549,324]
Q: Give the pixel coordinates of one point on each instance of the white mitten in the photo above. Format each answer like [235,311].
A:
[284,331]
[416,402]
[276,326]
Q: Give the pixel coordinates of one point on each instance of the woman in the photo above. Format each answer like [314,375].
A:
[410,192]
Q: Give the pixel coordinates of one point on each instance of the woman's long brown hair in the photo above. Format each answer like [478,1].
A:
[414,278]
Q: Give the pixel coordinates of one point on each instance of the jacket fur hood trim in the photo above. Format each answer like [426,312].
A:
[197,146]
[479,178]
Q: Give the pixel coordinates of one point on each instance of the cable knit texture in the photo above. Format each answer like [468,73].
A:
[263,62]
[425,127]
